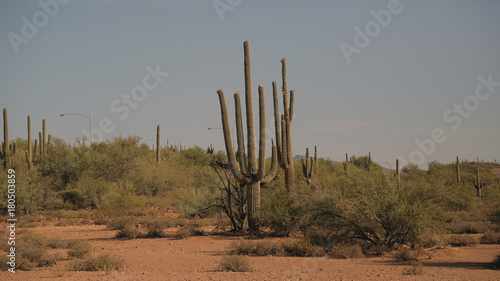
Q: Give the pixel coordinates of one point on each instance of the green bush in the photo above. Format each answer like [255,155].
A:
[381,215]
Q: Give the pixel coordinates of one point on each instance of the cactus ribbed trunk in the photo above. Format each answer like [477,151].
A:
[29,155]
[458,170]
[249,173]
[6,146]
[158,149]
[346,164]
[44,135]
[398,178]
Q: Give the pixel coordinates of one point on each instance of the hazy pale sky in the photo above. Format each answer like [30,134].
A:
[418,80]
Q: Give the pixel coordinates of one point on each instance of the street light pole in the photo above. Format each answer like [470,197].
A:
[83,115]
[219,128]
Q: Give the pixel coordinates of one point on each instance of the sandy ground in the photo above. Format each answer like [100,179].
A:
[197,258]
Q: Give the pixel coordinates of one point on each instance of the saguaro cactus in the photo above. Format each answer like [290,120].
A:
[158,148]
[346,164]
[283,130]
[457,166]
[369,164]
[249,173]
[29,155]
[7,149]
[478,184]
[309,165]
[397,175]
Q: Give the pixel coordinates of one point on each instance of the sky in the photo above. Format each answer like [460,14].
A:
[414,80]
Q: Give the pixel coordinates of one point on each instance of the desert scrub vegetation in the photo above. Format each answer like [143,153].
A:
[462,240]
[78,248]
[104,262]
[416,268]
[34,251]
[235,263]
[265,247]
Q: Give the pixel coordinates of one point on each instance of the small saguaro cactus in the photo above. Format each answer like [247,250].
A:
[282,126]
[346,164]
[7,149]
[210,149]
[158,148]
[478,184]
[457,166]
[250,173]
[309,165]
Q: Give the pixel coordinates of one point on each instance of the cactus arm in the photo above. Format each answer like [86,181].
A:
[284,154]
[277,123]
[158,149]
[239,134]
[292,102]
[262,135]
[274,165]
[251,145]
[227,139]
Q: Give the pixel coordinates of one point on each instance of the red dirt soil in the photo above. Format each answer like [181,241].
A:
[198,258]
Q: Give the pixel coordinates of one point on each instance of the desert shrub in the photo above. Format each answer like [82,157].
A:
[235,263]
[256,247]
[416,269]
[31,251]
[496,263]
[461,240]
[347,252]
[55,243]
[129,231]
[183,232]
[469,227]
[119,223]
[188,231]
[104,262]
[50,259]
[78,248]
[381,215]
[282,213]
[154,229]
[490,237]
[302,248]
[406,254]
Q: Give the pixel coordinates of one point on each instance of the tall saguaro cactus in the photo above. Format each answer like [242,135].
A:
[7,149]
[283,130]
[397,175]
[458,170]
[478,184]
[29,153]
[158,148]
[250,173]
